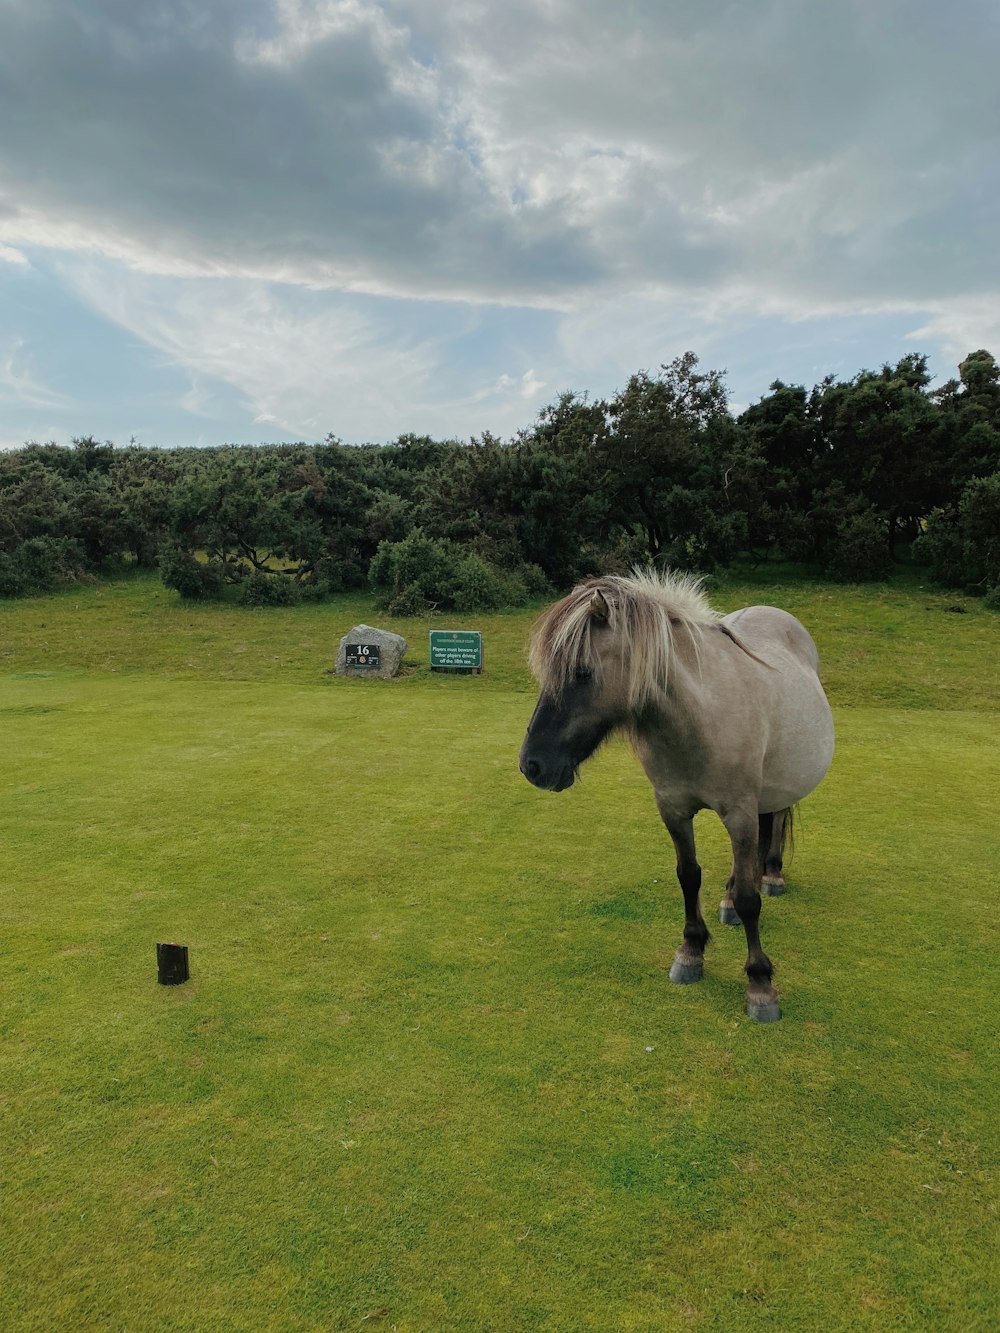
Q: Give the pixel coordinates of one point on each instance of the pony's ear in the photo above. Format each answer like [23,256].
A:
[599,609]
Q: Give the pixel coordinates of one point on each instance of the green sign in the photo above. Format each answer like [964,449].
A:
[456,650]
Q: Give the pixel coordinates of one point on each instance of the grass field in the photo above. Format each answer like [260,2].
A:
[429,1072]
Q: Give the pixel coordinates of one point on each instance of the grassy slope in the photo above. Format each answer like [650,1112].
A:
[429,1072]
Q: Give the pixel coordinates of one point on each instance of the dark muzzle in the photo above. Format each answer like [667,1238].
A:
[548,778]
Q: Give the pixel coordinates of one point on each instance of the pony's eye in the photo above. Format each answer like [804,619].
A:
[583,673]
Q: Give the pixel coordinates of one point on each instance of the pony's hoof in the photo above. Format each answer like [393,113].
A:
[728,914]
[772,888]
[685,971]
[763,1011]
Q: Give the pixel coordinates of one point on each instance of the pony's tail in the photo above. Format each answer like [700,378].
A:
[788,833]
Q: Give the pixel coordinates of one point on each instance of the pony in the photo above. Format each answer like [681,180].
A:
[725,713]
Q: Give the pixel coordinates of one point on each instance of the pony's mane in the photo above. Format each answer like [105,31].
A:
[646,609]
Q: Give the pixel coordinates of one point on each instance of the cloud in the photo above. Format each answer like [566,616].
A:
[305,366]
[530,153]
[369,218]
[310,363]
[963,327]
[321,154]
[816,154]
[20,383]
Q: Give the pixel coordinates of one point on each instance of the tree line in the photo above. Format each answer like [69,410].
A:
[846,477]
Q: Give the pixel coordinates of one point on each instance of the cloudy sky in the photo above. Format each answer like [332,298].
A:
[243,220]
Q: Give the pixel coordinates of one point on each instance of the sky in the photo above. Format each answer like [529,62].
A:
[267,220]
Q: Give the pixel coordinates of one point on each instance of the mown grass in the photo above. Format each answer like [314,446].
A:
[429,1072]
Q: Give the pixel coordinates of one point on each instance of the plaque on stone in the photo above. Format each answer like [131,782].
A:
[363,655]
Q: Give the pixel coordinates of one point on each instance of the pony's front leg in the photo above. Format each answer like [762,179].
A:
[688,963]
[762,998]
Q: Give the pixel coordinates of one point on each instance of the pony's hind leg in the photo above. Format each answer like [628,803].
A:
[772,835]
[728,914]
[773,830]
[762,998]
[688,963]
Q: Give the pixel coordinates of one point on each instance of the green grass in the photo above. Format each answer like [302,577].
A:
[429,1072]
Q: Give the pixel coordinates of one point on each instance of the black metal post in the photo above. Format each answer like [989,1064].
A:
[172,964]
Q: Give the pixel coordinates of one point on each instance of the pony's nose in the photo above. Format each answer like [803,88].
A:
[531,769]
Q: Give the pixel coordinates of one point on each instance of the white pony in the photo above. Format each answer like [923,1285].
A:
[726,713]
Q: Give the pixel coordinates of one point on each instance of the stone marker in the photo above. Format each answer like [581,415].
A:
[375,653]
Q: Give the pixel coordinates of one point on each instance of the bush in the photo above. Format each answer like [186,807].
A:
[992,598]
[709,542]
[38,564]
[861,549]
[535,581]
[421,566]
[12,580]
[940,546]
[962,544]
[262,589]
[410,601]
[328,577]
[979,522]
[421,574]
[480,587]
[194,581]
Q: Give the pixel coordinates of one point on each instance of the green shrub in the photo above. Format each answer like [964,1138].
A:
[261,589]
[40,563]
[861,550]
[409,601]
[418,564]
[536,583]
[421,574]
[329,576]
[187,576]
[479,586]
[979,521]
[12,580]
[940,546]
[962,544]
[318,591]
